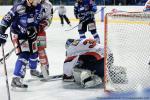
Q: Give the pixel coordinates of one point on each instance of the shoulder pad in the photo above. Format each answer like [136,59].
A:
[20,9]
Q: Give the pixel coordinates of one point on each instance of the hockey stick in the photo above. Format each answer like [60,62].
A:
[84,20]
[9,53]
[5,69]
[49,78]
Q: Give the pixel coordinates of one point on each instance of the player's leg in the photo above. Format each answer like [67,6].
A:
[89,72]
[68,68]
[82,28]
[33,60]
[44,62]
[67,20]
[93,30]
[42,53]
[61,19]
[85,77]
[20,69]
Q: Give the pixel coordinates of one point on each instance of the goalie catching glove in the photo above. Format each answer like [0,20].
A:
[43,25]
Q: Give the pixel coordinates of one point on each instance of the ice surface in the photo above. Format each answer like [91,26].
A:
[53,90]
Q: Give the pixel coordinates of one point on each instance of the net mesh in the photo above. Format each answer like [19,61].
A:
[128,38]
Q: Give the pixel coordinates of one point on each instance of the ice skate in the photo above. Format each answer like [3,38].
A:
[36,73]
[68,78]
[18,85]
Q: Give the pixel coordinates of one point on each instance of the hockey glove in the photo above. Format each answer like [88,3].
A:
[45,23]
[32,33]
[3,38]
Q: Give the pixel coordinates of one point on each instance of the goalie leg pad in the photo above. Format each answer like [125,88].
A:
[86,78]
[68,66]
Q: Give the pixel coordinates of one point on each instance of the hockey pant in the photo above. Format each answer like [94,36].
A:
[27,46]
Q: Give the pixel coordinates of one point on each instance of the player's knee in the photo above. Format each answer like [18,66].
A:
[33,60]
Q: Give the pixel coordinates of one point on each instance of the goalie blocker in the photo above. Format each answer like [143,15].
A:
[84,62]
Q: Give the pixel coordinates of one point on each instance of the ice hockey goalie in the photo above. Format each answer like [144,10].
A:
[84,62]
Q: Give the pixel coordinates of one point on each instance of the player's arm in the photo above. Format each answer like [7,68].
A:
[5,23]
[47,20]
[92,10]
[147,6]
[76,13]
[93,6]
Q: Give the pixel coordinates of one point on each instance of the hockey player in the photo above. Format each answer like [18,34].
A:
[147,6]
[23,20]
[62,14]
[84,10]
[84,61]
[41,38]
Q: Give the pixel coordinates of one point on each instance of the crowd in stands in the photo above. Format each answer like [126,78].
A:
[99,2]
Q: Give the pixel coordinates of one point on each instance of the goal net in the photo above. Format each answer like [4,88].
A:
[127,51]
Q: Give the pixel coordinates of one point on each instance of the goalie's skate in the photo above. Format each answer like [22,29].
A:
[68,78]
[17,84]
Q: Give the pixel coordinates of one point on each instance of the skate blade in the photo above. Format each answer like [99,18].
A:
[17,89]
[69,80]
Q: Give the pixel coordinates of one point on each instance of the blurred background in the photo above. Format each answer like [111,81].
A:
[99,2]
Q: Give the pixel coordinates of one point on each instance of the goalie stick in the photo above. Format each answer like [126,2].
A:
[9,53]
[85,20]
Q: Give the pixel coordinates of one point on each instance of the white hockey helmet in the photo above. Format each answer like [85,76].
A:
[33,2]
[69,42]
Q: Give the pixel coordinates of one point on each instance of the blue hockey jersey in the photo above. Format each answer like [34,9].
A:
[85,9]
[20,17]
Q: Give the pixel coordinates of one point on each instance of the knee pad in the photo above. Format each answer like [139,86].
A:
[80,74]
[86,78]
[20,67]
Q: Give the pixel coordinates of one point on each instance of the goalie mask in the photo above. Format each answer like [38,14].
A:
[33,2]
[69,42]
[73,42]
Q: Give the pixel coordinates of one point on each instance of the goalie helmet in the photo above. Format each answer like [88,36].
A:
[69,42]
[33,2]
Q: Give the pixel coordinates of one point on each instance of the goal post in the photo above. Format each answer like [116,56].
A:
[127,51]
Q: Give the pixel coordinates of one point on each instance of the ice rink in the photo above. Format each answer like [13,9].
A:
[53,90]
[56,90]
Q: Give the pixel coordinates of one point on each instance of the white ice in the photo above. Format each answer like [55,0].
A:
[53,90]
